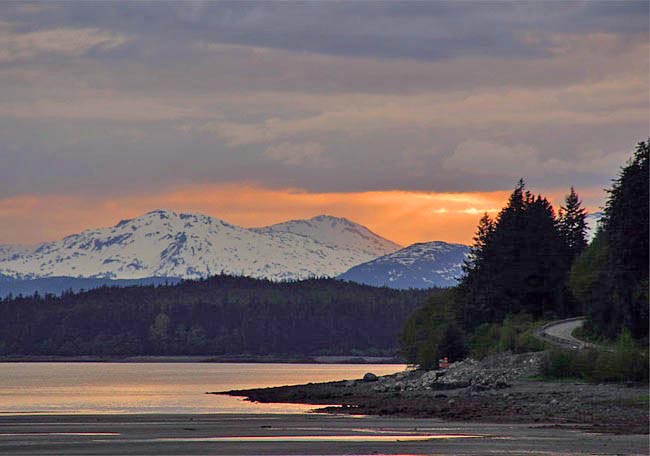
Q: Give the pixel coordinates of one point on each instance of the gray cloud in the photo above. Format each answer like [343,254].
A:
[325,96]
[417,30]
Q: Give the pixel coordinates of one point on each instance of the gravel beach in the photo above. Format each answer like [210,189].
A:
[495,390]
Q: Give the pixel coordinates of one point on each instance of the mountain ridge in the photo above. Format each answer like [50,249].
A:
[420,265]
[377,244]
[163,243]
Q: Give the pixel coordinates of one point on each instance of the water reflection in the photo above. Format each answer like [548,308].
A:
[48,434]
[59,388]
[316,438]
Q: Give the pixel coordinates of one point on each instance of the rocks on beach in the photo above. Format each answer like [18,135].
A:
[496,389]
[493,372]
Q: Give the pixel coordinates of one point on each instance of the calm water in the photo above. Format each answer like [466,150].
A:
[158,387]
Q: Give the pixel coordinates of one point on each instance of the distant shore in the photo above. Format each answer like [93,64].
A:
[334,359]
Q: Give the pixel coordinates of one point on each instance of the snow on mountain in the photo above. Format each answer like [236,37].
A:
[9,251]
[166,244]
[337,232]
[423,265]
[593,220]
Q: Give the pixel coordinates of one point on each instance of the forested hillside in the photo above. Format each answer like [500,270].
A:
[221,315]
[530,264]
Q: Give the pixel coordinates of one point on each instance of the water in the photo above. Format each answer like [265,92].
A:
[76,388]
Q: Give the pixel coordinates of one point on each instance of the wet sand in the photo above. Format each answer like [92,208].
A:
[311,434]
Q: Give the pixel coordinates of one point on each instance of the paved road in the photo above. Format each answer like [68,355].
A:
[559,333]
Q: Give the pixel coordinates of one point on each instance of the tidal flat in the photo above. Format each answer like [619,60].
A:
[295,434]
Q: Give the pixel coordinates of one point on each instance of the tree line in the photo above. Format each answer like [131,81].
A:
[222,315]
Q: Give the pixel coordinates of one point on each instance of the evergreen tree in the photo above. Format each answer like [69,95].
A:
[544,263]
[426,336]
[482,239]
[572,225]
[479,258]
[517,263]
[619,298]
[453,344]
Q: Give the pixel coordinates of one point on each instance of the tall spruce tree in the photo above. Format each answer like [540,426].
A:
[517,263]
[547,265]
[573,225]
[619,298]
[482,240]
[479,258]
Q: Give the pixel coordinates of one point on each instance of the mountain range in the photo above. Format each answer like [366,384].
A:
[593,221]
[164,246]
[169,244]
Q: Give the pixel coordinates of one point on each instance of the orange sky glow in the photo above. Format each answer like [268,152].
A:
[402,216]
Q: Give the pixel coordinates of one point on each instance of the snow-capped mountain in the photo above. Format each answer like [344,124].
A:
[593,220]
[336,232]
[422,265]
[166,244]
[8,251]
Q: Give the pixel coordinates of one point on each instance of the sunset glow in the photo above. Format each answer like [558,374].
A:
[404,217]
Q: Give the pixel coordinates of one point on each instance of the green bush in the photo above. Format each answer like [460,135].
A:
[431,333]
[625,363]
[514,334]
[527,342]
[485,340]
[561,364]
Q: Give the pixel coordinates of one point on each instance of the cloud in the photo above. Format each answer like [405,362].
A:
[67,42]
[326,96]
[520,160]
[482,157]
[608,102]
[380,29]
[93,104]
[304,154]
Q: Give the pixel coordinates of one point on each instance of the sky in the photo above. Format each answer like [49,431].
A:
[412,118]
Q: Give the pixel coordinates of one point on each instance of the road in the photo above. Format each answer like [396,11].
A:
[559,333]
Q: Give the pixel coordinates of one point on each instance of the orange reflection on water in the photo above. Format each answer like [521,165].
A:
[58,388]
[319,438]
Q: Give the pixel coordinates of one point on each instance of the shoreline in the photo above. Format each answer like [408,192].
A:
[241,359]
[602,408]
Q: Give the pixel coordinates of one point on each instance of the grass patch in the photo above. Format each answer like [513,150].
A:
[624,364]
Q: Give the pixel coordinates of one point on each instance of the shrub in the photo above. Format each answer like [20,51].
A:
[625,363]
[527,342]
[514,334]
[560,364]
[452,344]
[431,332]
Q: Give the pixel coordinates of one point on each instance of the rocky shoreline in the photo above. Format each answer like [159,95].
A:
[499,389]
